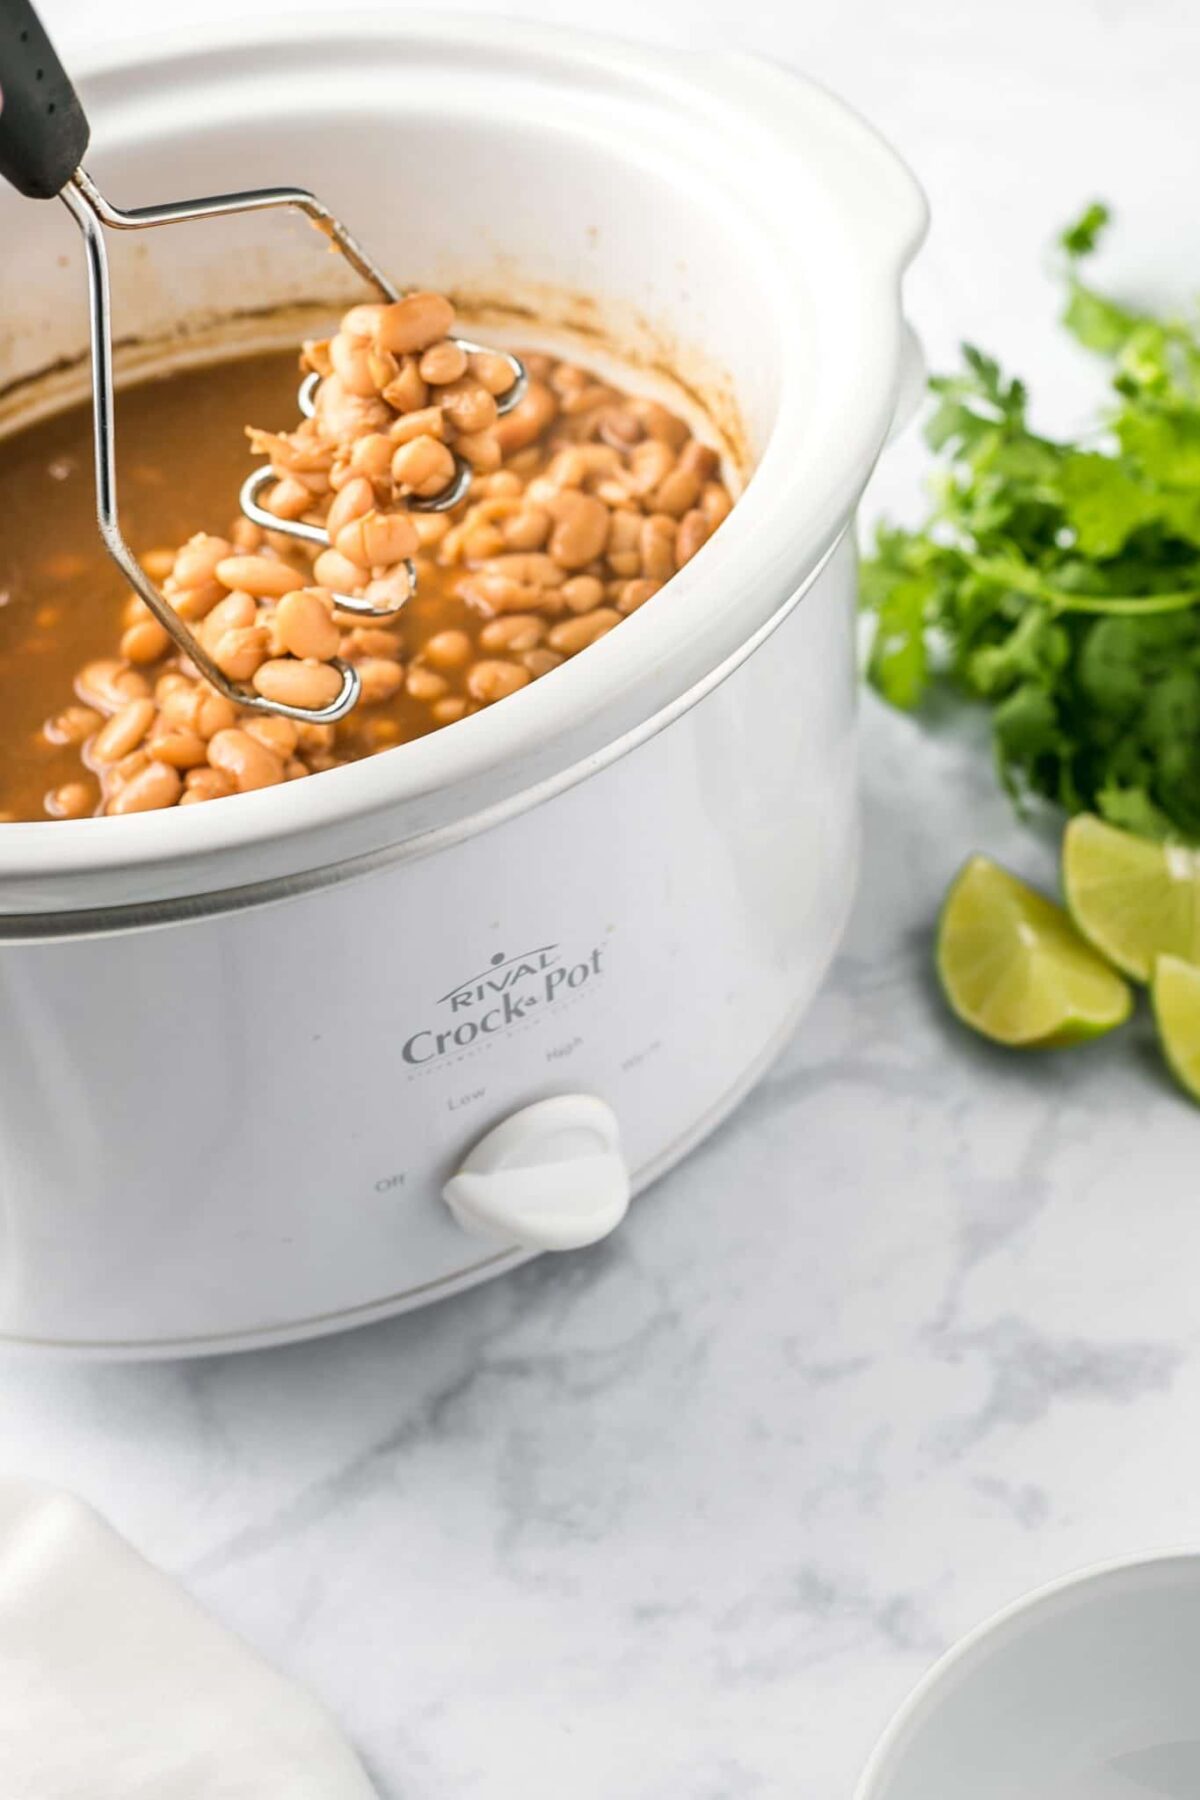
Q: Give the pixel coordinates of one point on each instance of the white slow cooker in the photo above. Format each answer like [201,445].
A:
[274,1067]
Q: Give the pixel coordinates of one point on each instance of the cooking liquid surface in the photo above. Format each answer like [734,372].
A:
[182,455]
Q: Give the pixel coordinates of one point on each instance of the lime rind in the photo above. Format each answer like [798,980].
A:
[1015,969]
[1132,899]
[1175,997]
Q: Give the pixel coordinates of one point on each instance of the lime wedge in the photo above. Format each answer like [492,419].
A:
[1132,899]
[1175,992]
[1015,968]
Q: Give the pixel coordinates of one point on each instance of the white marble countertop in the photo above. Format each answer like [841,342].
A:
[683,1517]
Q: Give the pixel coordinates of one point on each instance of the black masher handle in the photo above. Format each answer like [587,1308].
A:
[43,129]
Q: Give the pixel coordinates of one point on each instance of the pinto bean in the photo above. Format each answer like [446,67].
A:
[658,423]
[259,575]
[242,650]
[158,563]
[481,543]
[311,685]
[426,684]
[276,732]
[427,421]
[362,321]
[636,593]
[583,593]
[108,684]
[692,535]
[481,449]
[514,631]
[388,592]
[413,323]
[182,748]
[619,428]
[503,483]
[354,499]
[498,594]
[540,661]
[372,640]
[527,529]
[581,525]
[407,392]
[572,635]
[624,554]
[678,493]
[448,650]
[371,456]
[715,504]
[245,537]
[145,642]
[531,566]
[380,677]
[492,371]
[489,681]
[649,465]
[152,788]
[337,573]
[197,562]
[123,732]
[443,362]
[423,467]
[340,415]
[537,408]
[213,712]
[384,367]
[237,609]
[75,723]
[194,603]
[206,784]
[657,547]
[377,540]
[246,762]
[196,707]
[583,462]
[700,460]
[288,499]
[73,800]
[118,773]
[468,405]
[350,358]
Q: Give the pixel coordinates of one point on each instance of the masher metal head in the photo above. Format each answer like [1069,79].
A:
[44,134]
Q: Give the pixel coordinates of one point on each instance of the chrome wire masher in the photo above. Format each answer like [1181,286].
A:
[44,134]
[454,491]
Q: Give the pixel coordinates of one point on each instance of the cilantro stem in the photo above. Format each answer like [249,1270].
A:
[1024,580]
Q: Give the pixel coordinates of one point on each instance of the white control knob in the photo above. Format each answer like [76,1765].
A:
[550,1177]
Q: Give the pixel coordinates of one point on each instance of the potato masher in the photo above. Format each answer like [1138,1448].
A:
[44,134]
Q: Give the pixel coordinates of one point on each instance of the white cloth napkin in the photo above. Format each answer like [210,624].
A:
[115,1685]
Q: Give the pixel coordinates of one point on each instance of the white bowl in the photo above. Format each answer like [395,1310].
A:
[1086,1690]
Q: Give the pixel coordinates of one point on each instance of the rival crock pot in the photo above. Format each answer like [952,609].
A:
[248,1052]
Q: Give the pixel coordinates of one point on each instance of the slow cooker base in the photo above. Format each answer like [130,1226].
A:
[498,1263]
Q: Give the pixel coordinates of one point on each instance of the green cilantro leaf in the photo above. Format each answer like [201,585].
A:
[1058,582]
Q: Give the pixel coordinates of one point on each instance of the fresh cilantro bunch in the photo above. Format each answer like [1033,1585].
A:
[1060,582]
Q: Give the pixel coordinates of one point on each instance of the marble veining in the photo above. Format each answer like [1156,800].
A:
[682,1518]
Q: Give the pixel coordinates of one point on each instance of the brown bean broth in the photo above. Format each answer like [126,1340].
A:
[182,454]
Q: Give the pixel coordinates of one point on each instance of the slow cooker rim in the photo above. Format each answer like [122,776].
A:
[74,923]
[547,711]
